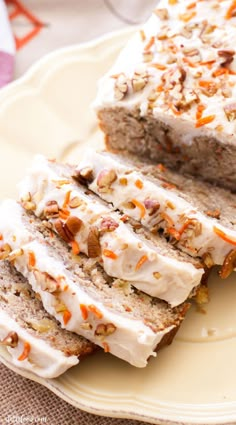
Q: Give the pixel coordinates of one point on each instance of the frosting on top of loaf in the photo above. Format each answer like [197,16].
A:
[181,64]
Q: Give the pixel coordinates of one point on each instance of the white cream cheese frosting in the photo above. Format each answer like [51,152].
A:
[42,360]
[181,68]
[212,237]
[75,309]
[124,255]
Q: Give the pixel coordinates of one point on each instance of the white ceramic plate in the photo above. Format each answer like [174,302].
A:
[194,380]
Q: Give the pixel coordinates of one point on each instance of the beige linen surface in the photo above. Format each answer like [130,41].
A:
[64,22]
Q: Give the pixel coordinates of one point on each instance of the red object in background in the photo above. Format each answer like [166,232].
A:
[18,9]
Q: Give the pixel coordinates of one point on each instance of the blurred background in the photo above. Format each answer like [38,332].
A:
[40,26]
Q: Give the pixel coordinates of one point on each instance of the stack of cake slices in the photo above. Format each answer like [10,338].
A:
[107,253]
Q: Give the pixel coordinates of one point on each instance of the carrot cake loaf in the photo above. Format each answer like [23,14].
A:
[34,339]
[79,294]
[126,250]
[197,217]
[170,96]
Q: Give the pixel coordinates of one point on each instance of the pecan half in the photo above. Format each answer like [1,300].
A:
[228,265]
[94,248]
[63,231]
[73,225]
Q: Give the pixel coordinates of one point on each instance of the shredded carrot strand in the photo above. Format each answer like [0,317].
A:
[149,44]
[231,11]
[139,184]
[75,247]
[142,260]
[25,353]
[32,259]
[186,17]
[189,62]
[168,219]
[140,206]
[200,109]
[64,214]
[204,120]
[124,218]
[84,311]
[67,199]
[223,236]
[158,66]
[106,347]
[142,35]
[220,71]
[109,254]
[161,167]
[1,237]
[93,309]
[191,5]
[66,316]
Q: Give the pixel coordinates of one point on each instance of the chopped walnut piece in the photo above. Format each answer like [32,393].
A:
[227,55]
[84,176]
[202,295]
[94,248]
[51,209]
[139,81]
[29,205]
[75,202]
[121,87]
[147,56]
[162,13]
[14,254]
[46,282]
[152,206]
[105,180]
[11,340]
[214,214]
[228,265]
[230,111]
[208,88]
[5,251]
[108,224]
[207,259]
[205,31]
[157,275]
[105,329]
[193,53]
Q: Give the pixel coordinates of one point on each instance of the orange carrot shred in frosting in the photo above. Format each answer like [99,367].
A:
[140,262]
[140,206]
[223,236]
[25,353]
[75,247]
[220,71]
[149,44]
[139,184]
[66,316]
[64,214]
[32,259]
[67,199]
[109,254]
[191,5]
[231,12]
[168,219]
[158,66]
[142,35]
[204,120]
[84,311]
[1,237]
[106,347]
[93,309]
[200,109]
